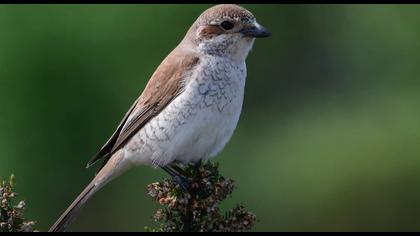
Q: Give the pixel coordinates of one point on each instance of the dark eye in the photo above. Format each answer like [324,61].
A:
[226,25]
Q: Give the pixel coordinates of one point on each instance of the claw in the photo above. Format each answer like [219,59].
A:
[183,182]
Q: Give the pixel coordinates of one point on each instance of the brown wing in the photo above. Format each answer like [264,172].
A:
[164,85]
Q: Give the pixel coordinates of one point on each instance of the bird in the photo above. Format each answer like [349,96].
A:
[190,107]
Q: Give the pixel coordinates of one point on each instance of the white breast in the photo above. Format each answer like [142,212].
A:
[199,122]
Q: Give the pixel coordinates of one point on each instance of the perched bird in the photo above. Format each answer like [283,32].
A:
[190,106]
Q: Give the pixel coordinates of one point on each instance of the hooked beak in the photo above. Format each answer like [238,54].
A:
[256,30]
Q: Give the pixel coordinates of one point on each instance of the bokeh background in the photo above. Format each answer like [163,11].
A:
[329,137]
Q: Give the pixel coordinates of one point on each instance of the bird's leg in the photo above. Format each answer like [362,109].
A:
[197,166]
[178,169]
[196,170]
[178,178]
[170,171]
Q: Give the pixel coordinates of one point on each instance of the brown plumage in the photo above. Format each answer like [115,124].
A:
[205,42]
[225,11]
[164,85]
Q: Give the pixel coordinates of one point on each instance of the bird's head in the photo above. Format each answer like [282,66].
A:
[225,30]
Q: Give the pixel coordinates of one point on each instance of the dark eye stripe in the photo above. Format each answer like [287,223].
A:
[226,25]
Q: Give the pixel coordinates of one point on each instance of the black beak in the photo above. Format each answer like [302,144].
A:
[256,31]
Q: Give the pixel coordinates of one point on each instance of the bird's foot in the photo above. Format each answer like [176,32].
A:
[197,166]
[184,179]
[183,182]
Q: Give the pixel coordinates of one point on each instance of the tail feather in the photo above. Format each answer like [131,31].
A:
[113,168]
[68,216]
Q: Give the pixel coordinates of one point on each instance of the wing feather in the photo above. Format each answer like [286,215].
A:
[165,84]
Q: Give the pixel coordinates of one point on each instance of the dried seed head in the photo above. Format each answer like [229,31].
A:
[11,217]
[199,208]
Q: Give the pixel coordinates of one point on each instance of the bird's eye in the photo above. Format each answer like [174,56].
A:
[226,25]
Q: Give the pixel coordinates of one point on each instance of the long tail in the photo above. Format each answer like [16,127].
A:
[68,216]
[115,166]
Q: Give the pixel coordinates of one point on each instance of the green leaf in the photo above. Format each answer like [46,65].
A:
[12,180]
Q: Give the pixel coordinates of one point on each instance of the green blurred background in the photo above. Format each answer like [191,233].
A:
[329,137]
